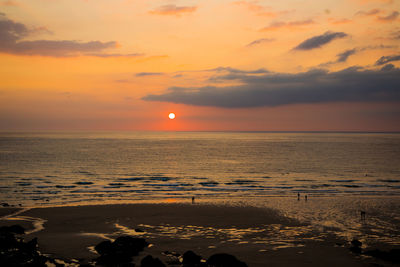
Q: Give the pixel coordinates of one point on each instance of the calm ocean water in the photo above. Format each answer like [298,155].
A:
[67,168]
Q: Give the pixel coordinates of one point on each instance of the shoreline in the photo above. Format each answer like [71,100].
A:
[256,236]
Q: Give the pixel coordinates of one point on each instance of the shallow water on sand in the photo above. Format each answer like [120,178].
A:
[340,216]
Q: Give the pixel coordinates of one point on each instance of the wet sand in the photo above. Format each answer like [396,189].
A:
[257,236]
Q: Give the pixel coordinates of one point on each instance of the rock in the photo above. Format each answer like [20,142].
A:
[14,229]
[356,250]
[5,204]
[356,246]
[174,258]
[15,252]
[190,258]
[17,229]
[392,255]
[7,240]
[104,247]
[119,252]
[224,260]
[130,245]
[149,261]
[356,243]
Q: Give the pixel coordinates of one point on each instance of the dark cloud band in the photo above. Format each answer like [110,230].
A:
[275,89]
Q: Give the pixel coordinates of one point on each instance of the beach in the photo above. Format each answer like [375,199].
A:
[73,191]
[256,236]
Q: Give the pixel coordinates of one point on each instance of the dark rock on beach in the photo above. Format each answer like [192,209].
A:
[15,252]
[119,252]
[15,229]
[149,261]
[355,246]
[174,257]
[103,247]
[191,259]
[224,260]
[392,255]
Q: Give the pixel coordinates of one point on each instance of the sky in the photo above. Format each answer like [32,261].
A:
[226,65]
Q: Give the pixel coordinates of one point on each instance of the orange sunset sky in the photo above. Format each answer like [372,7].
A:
[291,65]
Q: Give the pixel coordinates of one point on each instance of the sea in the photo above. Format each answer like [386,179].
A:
[340,173]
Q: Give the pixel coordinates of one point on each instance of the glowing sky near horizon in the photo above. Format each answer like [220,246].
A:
[293,65]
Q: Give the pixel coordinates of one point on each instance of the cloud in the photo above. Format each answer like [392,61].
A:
[12,42]
[342,57]
[387,59]
[227,73]
[275,89]
[142,74]
[288,25]
[256,8]
[371,12]
[260,41]
[173,10]
[10,30]
[9,3]
[339,21]
[393,16]
[238,71]
[320,40]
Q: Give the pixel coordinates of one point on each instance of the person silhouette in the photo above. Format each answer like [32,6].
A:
[362,213]
[192,200]
[298,196]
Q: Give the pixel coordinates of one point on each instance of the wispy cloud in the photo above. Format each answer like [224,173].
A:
[342,57]
[386,59]
[389,18]
[257,8]
[371,12]
[275,89]
[260,41]
[320,40]
[173,10]
[288,25]
[142,74]
[12,42]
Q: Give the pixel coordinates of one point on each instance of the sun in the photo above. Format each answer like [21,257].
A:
[171,116]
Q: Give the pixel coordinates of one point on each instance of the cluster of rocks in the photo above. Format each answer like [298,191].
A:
[124,248]
[15,252]
[392,255]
